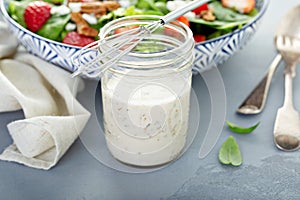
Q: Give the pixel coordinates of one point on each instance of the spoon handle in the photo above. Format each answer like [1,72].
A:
[255,101]
[287,123]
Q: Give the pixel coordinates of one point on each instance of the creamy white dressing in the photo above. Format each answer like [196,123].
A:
[90,18]
[60,10]
[146,123]
[70,27]
[75,6]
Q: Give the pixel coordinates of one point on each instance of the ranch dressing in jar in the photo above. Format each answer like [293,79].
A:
[146,95]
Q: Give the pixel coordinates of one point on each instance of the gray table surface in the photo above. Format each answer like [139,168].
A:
[266,173]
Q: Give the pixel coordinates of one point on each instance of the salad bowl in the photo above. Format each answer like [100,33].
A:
[208,53]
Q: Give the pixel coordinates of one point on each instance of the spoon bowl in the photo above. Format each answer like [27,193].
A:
[287,142]
[287,41]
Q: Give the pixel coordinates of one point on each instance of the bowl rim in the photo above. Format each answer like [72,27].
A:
[13,22]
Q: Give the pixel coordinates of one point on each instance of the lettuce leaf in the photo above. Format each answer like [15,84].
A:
[53,27]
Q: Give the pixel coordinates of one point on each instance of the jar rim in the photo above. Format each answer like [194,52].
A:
[187,45]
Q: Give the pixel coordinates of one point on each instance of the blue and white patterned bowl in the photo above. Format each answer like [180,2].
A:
[207,54]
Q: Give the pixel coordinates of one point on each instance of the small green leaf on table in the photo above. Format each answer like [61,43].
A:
[243,130]
[229,153]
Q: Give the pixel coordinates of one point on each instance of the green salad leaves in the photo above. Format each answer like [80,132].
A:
[227,20]
[54,27]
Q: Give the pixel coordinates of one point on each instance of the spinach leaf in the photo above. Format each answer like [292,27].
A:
[227,20]
[148,5]
[132,10]
[104,19]
[217,24]
[162,6]
[54,26]
[229,153]
[62,35]
[238,129]
[227,14]
[152,12]
[218,33]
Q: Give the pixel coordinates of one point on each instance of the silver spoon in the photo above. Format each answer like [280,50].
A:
[255,101]
[287,40]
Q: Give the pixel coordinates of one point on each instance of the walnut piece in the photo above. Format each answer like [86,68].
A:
[208,15]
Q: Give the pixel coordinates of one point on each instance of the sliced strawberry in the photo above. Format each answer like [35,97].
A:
[199,38]
[36,14]
[74,38]
[184,20]
[198,10]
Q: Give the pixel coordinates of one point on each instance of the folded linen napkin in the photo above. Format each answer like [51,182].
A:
[46,94]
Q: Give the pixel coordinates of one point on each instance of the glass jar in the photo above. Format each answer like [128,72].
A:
[146,95]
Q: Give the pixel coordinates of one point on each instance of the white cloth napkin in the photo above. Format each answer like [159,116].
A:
[46,94]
